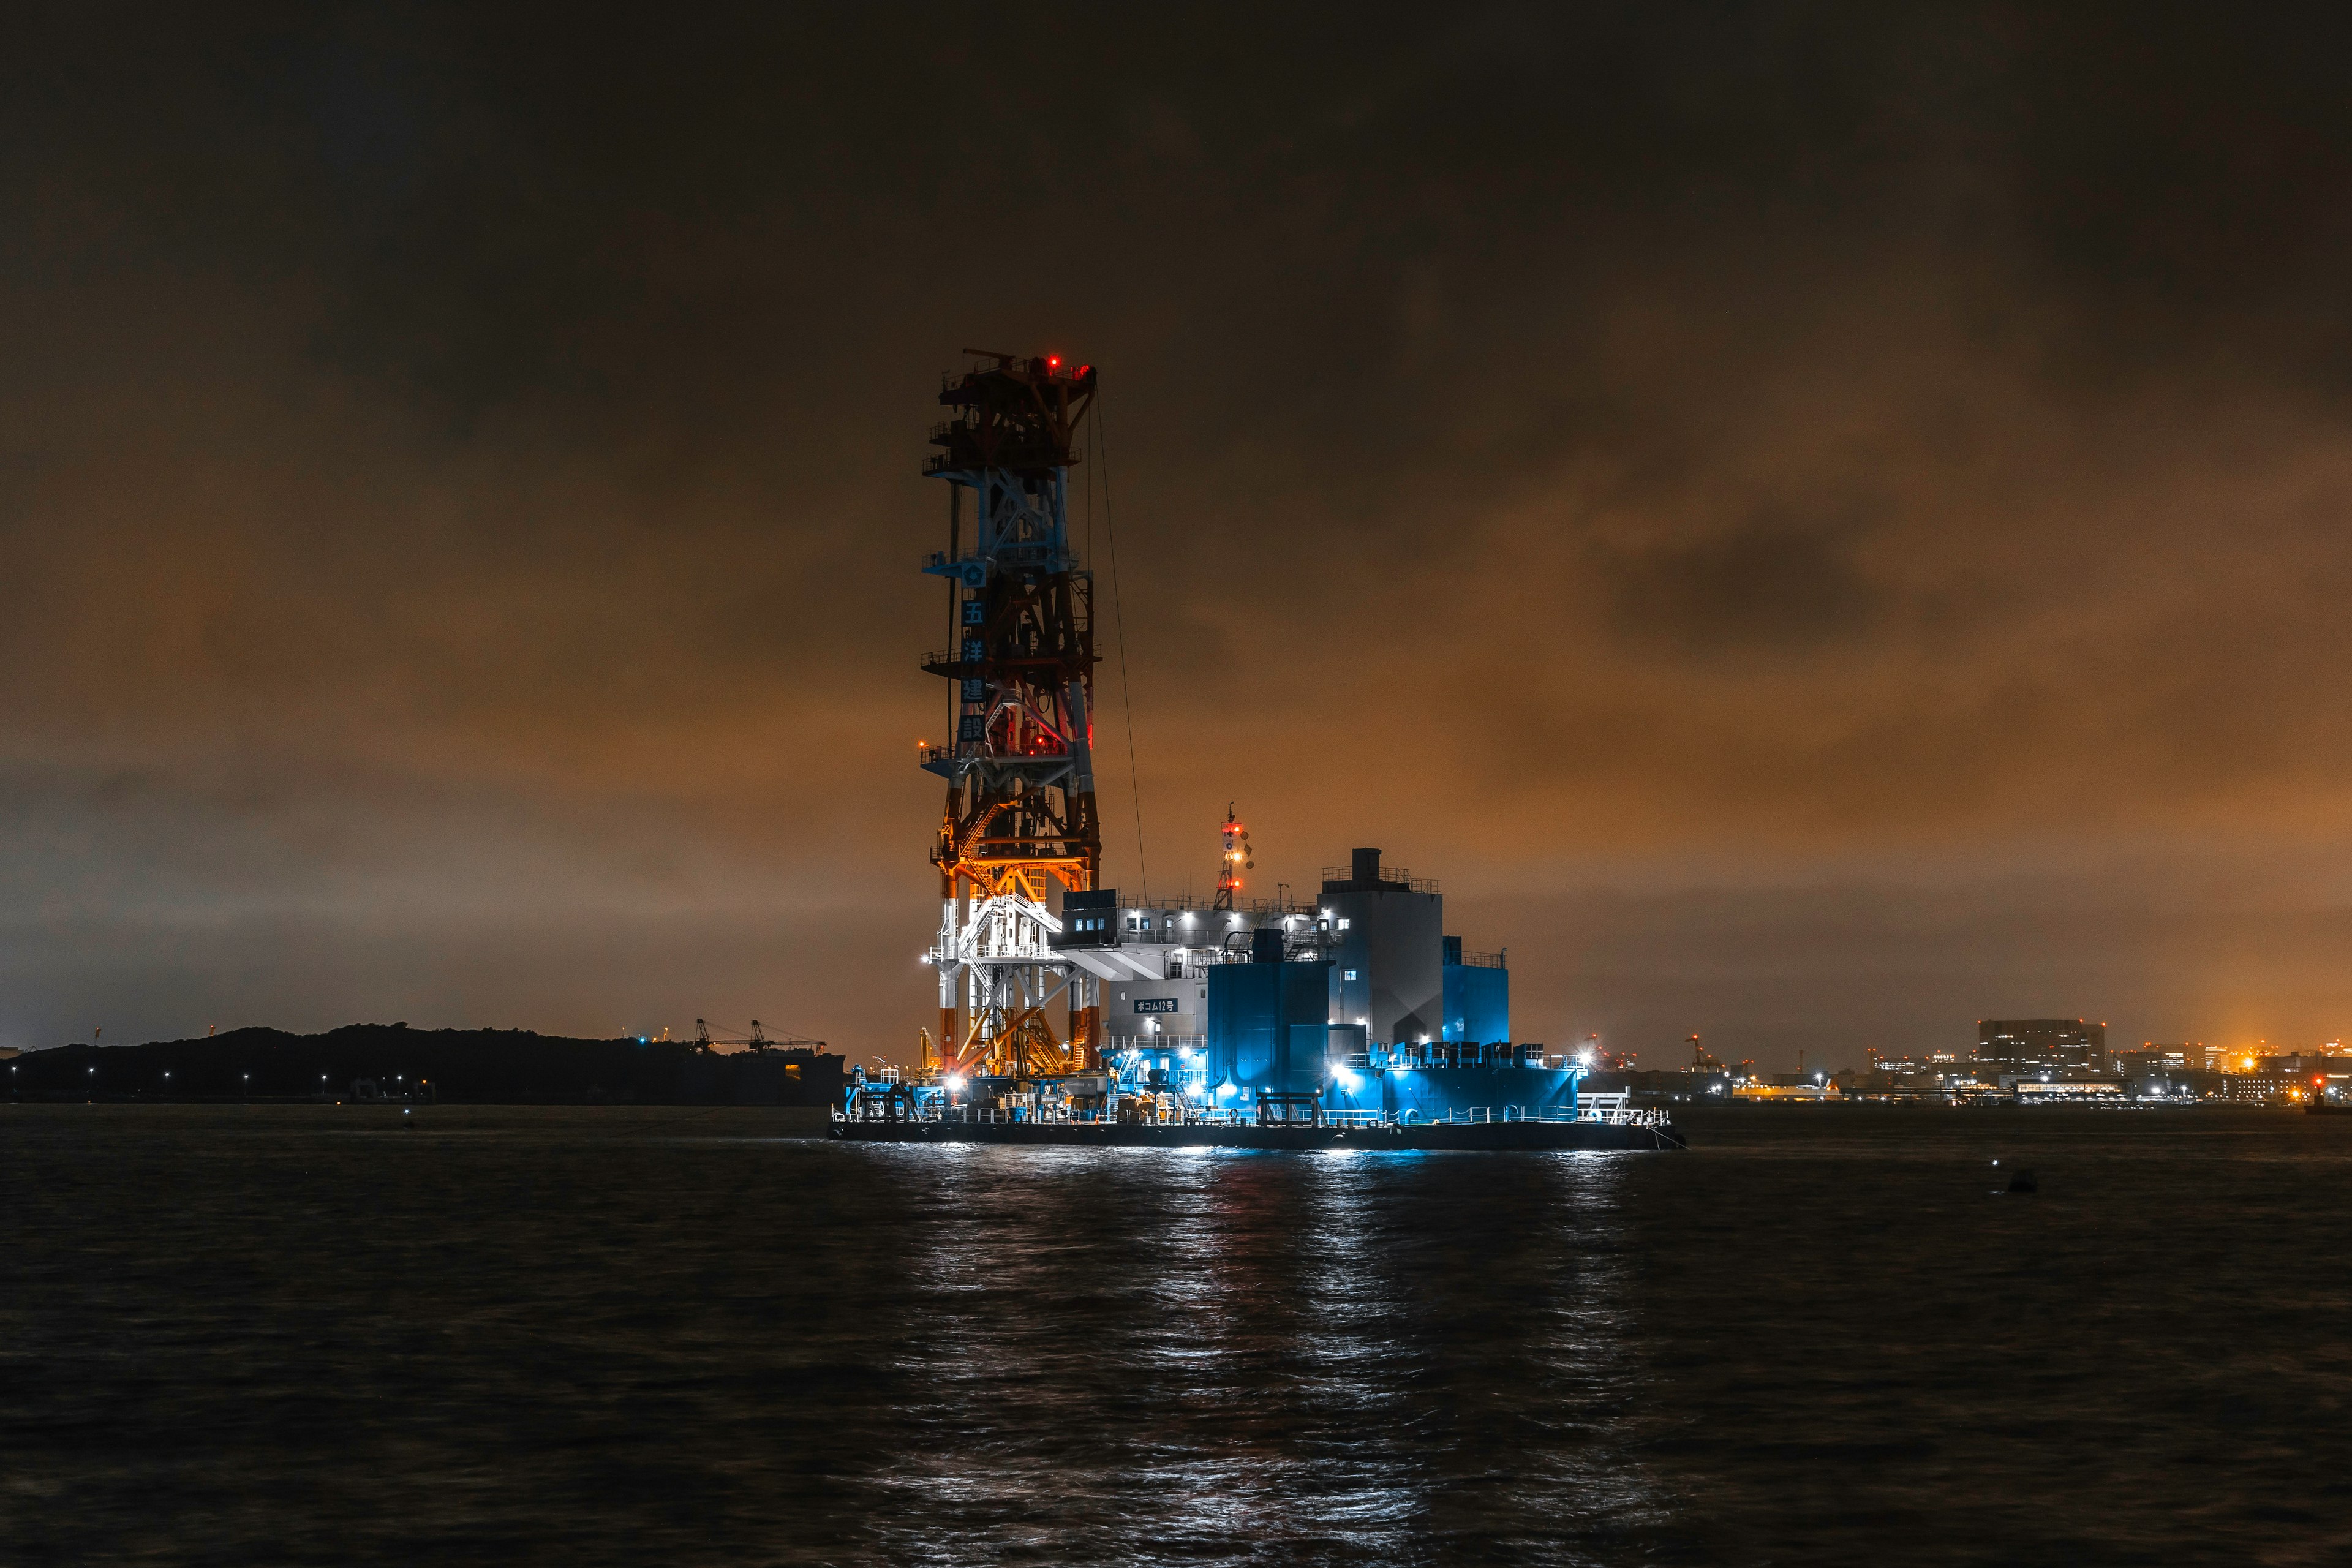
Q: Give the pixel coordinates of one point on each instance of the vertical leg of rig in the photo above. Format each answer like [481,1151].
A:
[940,1057]
[1086,1022]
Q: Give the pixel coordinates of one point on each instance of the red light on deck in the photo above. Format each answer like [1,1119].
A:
[1053,362]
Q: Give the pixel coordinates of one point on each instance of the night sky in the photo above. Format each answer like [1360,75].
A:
[1817,524]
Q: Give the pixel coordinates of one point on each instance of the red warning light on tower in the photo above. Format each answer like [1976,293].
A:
[1237,859]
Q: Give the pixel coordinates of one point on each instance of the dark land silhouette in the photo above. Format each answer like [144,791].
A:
[393,1061]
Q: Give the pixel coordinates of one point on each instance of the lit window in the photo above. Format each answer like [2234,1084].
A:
[1347,974]
[1343,922]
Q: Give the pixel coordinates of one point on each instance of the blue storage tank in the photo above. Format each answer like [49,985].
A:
[1252,1009]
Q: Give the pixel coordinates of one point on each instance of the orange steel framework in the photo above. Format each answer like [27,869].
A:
[1020,816]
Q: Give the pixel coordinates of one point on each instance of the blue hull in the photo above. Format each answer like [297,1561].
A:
[1483,1136]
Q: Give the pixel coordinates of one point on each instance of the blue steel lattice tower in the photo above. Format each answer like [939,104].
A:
[1019,816]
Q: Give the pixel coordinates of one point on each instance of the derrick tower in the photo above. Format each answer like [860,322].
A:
[1019,816]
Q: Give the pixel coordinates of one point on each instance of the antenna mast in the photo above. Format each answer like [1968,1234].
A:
[1237,859]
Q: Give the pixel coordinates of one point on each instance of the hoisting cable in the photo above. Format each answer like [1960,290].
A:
[1119,613]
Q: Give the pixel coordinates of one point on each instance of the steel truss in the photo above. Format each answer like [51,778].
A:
[1020,816]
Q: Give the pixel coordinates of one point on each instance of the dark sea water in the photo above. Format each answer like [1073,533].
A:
[308,1334]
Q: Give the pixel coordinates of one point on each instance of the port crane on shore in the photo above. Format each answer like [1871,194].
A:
[758,1039]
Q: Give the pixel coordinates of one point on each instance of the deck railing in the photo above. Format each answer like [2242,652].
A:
[1618,1114]
[1342,879]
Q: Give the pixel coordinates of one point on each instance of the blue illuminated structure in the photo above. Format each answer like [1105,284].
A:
[1477,995]
[1266,1027]
[1395,1022]
[1496,1091]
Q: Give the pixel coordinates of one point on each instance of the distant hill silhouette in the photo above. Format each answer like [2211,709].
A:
[487,1067]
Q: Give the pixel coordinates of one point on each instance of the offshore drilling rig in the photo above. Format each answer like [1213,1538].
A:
[1321,1016]
[1019,816]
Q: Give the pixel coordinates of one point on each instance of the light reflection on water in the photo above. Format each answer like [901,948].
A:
[1211,1355]
[603,1336]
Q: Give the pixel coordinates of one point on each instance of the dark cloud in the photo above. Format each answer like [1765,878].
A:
[1762,586]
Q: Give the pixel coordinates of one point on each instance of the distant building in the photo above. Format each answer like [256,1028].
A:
[1880,1062]
[2175,1084]
[2015,1045]
[2304,1063]
[2258,1086]
[2158,1057]
[1807,1090]
[2033,1091]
